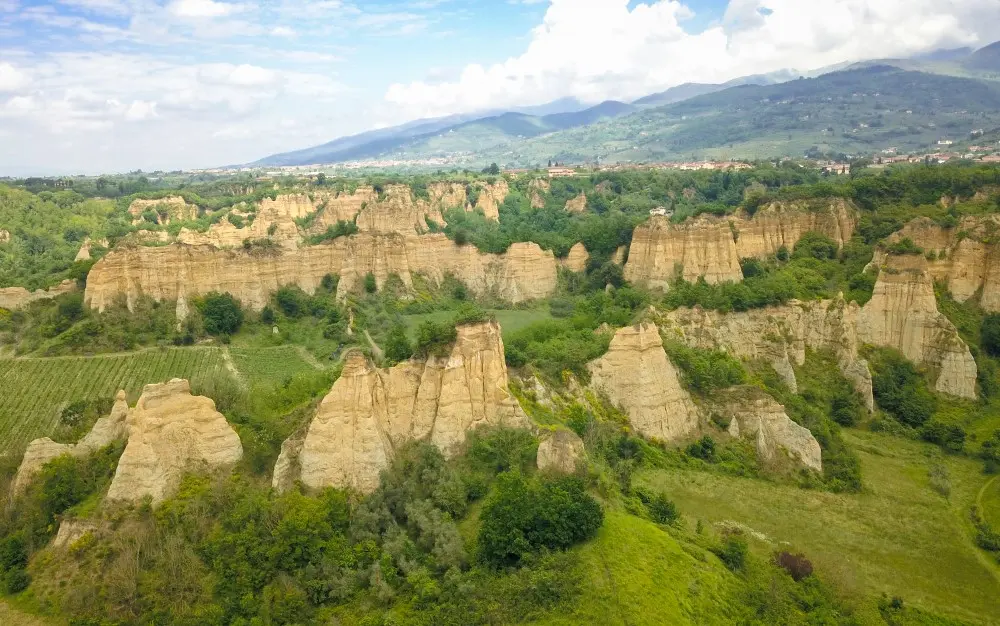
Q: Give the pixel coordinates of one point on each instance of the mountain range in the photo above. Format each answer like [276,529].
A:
[782,113]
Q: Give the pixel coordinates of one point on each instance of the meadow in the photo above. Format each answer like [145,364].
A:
[899,536]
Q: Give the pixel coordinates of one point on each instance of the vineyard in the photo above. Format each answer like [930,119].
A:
[35,390]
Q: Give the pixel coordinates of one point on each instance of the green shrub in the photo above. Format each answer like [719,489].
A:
[990,335]
[435,338]
[815,245]
[371,285]
[904,246]
[949,436]
[521,516]
[292,301]
[703,449]
[900,390]
[397,345]
[733,552]
[221,314]
[704,371]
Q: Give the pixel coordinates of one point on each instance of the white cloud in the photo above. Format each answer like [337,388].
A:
[11,79]
[203,8]
[140,110]
[601,49]
[282,31]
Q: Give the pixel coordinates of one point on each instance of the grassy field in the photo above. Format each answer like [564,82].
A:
[35,390]
[510,321]
[899,536]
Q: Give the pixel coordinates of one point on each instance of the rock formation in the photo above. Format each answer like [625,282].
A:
[40,451]
[166,209]
[561,452]
[780,335]
[636,375]
[576,260]
[491,197]
[12,298]
[536,189]
[370,412]
[577,204]
[170,431]
[757,416]
[84,253]
[181,272]
[4,236]
[711,247]
[903,314]
[965,257]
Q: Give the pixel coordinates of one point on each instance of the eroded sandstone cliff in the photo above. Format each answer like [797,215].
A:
[370,412]
[170,431]
[181,272]
[711,247]
[965,257]
[12,298]
[166,209]
[576,260]
[903,314]
[636,375]
[561,452]
[758,417]
[779,335]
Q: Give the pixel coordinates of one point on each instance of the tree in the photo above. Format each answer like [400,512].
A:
[397,345]
[222,314]
[991,335]
[371,285]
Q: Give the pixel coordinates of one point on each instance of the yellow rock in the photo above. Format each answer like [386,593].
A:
[576,260]
[12,298]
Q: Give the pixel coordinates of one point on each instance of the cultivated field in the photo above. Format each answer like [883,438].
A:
[34,391]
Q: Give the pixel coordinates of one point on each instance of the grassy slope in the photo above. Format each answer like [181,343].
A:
[898,537]
[635,573]
[36,390]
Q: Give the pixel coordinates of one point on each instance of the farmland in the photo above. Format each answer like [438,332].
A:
[35,390]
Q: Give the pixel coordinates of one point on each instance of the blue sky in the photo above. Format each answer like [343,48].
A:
[115,85]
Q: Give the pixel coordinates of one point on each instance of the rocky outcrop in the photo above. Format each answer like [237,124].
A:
[12,298]
[711,247]
[780,335]
[84,252]
[105,431]
[903,314]
[398,212]
[758,417]
[536,190]
[619,256]
[180,272]
[166,209]
[965,257]
[576,260]
[636,375]
[171,431]
[4,236]
[491,196]
[577,204]
[370,412]
[561,452]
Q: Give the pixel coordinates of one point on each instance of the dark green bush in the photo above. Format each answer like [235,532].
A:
[371,285]
[221,314]
[521,516]
[397,345]
[733,552]
[949,436]
[704,371]
[435,338]
[900,390]
[990,335]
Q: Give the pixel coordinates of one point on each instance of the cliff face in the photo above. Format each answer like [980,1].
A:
[636,375]
[491,197]
[577,204]
[12,298]
[758,417]
[780,336]
[169,208]
[370,412]
[966,257]
[903,314]
[576,260]
[712,247]
[169,431]
[180,272]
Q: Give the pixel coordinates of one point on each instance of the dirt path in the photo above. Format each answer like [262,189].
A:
[988,561]
[227,359]
[309,358]
[377,351]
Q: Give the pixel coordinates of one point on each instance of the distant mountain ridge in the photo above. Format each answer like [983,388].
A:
[499,133]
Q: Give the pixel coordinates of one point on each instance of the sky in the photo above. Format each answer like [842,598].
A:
[100,86]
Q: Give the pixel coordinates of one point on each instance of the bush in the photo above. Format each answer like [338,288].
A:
[990,335]
[702,449]
[522,516]
[371,285]
[397,345]
[905,246]
[816,246]
[900,389]
[267,316]
[733,552]
[16,581]
[221,313]
[797,565]
[435,338]
[661,509]
[292,301]
[704,371]
[949,436]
